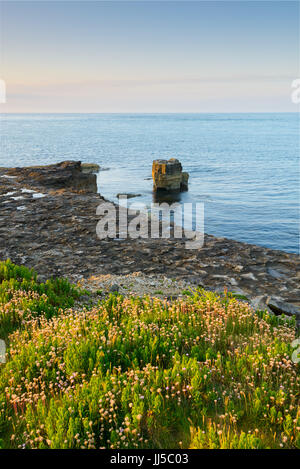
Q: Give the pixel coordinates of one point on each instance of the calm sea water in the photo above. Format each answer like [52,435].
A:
[244,167]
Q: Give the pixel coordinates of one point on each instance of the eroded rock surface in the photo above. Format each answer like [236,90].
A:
[66,175]
[54,231]
[168,176]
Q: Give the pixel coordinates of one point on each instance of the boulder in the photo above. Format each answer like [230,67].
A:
[275,305]
[259,303]
[278,306]
[66,175]
[168,176]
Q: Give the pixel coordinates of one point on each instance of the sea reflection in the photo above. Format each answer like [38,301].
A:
[166,197]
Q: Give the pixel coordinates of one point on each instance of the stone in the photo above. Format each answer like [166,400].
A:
[66,175]
[249,276]
[41,278]
[223,277]
[238,291]
[278,306]
[128,195]
[168,176]
[114,288]
[274,273]
[259,303]
[233,281]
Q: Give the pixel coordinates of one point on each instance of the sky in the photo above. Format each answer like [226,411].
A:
[146,56]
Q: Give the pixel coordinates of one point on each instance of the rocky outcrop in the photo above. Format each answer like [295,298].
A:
[66,175]
[55,233]
[168,176]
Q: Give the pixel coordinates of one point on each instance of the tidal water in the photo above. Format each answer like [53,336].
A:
[243,167]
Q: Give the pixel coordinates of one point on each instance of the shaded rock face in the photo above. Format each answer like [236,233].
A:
[278,306]
[168,176]
[66,175]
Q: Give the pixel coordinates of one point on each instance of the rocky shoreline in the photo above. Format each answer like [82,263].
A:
[48,222]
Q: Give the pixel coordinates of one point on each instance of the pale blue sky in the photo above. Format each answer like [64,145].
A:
[149,56]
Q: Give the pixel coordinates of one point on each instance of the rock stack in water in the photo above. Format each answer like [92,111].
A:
[168,176]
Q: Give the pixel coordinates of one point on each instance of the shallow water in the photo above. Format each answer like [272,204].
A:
[243,167]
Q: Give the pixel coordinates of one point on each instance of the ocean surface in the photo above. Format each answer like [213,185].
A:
[243,167]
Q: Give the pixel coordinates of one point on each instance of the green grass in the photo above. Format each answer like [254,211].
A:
[23,298]
[199,372]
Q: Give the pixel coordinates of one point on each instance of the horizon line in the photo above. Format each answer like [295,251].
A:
[155,112]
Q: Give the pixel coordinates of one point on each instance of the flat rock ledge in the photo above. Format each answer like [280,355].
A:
[50,225]
[68,175]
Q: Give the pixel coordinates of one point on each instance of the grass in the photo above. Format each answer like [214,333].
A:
[199,372]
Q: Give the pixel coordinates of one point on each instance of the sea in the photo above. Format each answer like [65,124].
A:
[244,168]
